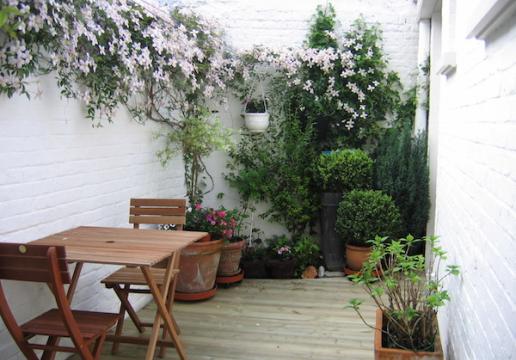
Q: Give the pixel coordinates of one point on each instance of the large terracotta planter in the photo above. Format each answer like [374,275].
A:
[229,264]
[198,267]
[356,256]
[382,353]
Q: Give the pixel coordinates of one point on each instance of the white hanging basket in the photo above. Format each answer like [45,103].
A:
[256,122]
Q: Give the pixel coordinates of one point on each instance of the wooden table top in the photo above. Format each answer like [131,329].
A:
[120,246]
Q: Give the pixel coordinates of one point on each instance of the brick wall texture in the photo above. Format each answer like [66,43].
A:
[476,193]
[58,172]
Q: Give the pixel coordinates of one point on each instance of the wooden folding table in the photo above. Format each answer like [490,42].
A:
[129,247]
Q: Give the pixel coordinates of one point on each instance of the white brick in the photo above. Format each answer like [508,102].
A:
[58,172]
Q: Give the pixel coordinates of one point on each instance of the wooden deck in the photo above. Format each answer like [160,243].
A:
[270,319]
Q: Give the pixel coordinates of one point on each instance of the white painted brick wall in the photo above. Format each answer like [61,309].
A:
[476,194]
[58,172]
[285,23]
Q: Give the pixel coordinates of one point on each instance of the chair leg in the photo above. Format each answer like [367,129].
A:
[98,346]
[120,322]
[123,296]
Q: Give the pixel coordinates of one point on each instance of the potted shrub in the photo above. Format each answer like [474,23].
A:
[361,215]
[408,294]
[308,256]
[256,116]
[281,263]
[253,262]
[339,172]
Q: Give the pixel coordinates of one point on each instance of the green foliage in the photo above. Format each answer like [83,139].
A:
[306,252]
[345,170]
[255,106]
[323,25]
[401,170]
[276,167]
[280,248]
[196,138]
[364,214]
[6,27]
[409,292]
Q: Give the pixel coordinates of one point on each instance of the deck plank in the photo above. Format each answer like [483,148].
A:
[270,319]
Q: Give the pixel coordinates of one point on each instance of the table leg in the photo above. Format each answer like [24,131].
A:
[54,340]
[170,300]
[163,313]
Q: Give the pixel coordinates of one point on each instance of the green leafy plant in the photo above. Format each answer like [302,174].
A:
[6,26]
[255,106]
[401,169]
[345,170]
[197,137]
[321,34]
[363,214]
[277,168]
[408,291]
[280,248]
[306,252]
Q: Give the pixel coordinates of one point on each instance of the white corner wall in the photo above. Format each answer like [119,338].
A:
[58,172]
[285,23]
[476,191]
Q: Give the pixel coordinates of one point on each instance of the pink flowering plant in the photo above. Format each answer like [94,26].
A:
[221,223]
[280,248]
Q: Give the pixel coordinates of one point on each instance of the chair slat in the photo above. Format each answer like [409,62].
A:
[178,220]
[161,211]
[31,263]
[159,202]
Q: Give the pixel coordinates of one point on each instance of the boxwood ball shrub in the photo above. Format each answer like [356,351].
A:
[345,170]
[363,214]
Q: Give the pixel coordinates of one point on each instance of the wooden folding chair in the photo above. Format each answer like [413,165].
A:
[147,211]
[45,264]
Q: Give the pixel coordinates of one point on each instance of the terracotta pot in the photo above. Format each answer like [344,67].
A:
[356,256]
[254,269]
[282,269]
[382,353]
[229,264]
[198,267]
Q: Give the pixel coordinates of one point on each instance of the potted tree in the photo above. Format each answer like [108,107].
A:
[361,215]
[281,263]
[256,116]
[339,172]
[408,294]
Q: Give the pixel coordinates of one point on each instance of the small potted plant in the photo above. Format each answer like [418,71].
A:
[253,262]
[361,215]
[256,116]
[199,261]
[408,294]
[281,263]
[339,172]
[308,257]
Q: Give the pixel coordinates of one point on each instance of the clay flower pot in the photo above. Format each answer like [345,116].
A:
[229,264]
[356,256]
[198,267]
[282,269]
[383,353]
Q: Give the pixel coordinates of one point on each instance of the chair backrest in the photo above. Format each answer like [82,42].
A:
[32,263]
[158,211]
[36,263]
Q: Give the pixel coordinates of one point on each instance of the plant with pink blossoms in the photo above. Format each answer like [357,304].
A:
[220,223]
